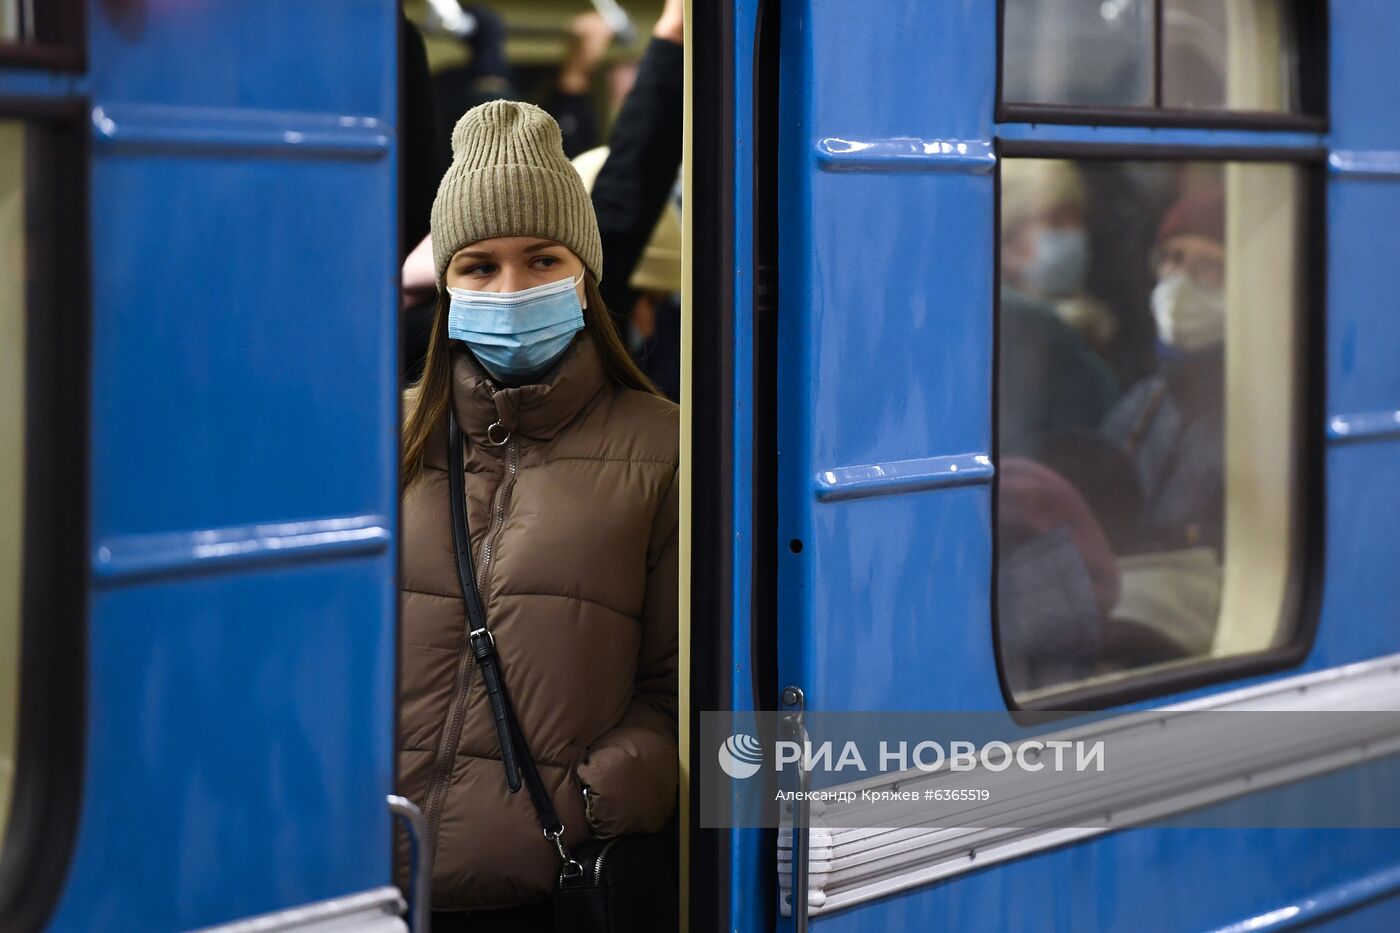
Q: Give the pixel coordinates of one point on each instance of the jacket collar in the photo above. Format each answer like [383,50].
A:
[538,410]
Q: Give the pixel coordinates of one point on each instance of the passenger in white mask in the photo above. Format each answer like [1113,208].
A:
[1171,425]
[1045,244]
[1188,303]
[1172,422]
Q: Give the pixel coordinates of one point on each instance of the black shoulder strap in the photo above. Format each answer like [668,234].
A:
[515,754]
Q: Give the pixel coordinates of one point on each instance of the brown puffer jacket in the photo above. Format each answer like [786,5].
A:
[574,535]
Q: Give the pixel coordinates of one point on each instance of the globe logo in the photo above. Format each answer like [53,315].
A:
[740,756]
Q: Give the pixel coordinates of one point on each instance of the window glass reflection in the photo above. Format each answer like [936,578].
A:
[1122,288]
[1236,55]
[1215,54]
[1078,52]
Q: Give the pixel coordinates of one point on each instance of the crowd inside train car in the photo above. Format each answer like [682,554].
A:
[1112,478]
[1112,388]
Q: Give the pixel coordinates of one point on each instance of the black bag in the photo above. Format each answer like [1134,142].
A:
[627,884]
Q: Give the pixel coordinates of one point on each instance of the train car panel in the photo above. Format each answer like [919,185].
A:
[263,786]
[853,582]
[238,746]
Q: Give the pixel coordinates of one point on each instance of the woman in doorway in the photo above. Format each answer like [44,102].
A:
[569,461]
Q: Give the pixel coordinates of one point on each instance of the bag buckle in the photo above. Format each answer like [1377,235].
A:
[484,635]
[572,869]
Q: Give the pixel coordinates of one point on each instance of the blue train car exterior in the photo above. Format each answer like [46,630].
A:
[237,648]
[892,139]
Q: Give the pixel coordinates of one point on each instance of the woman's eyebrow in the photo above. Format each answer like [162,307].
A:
[474,254]
[542,244]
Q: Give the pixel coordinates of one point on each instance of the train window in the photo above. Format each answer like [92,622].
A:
[42,33]
[1219,55]
[12,395]
[1159,59]
[1147,430]
[1078,53]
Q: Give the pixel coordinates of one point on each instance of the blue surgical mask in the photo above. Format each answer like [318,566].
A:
[1061,261]
[517,335]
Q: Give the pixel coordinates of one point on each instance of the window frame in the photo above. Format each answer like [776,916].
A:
[42,824]
[60,42]
[1302,599]
[1313,117]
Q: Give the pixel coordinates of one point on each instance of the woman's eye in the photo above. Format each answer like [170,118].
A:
[481,268]
[545,262]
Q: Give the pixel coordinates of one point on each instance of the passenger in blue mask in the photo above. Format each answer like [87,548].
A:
[1045,244]
[516,302]
[540,469]
[1050,379]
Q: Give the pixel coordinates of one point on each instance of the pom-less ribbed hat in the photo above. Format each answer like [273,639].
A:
[509,177]
[1199,212]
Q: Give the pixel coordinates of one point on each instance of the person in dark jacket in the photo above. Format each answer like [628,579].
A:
[1056,578]
[1172,424]
[420,166]
[487,76]
[652,321]
[644,156]
[1045,242]
[1048,380]
[571,101]
[420,163]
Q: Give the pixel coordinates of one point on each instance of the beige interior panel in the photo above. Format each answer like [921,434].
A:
[1261,295]
[1254,78]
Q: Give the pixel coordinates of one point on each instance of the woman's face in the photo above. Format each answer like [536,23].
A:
[512,264]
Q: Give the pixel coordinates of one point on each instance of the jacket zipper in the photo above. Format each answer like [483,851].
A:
[466,669]
[447,746]
[502,501]
[598,862]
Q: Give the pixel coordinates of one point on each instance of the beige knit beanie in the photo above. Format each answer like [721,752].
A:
[509,177]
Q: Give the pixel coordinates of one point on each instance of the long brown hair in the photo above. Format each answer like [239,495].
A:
[425,402]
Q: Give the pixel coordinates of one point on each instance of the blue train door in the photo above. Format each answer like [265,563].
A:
[204,198]
[934,460]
